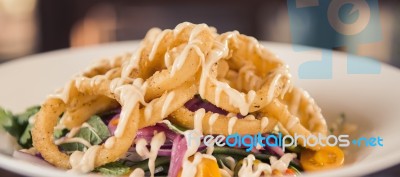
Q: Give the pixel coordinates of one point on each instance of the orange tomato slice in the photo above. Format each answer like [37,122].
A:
[206,168]
[327,157]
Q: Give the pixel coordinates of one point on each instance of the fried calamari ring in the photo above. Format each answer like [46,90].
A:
[279,111]
[214,123]
[231,71]
[266,66]
[47,118]
[83,106]
[105,65]
[301,105]
[193,42]
[152,112]
[43,133]
[86,110]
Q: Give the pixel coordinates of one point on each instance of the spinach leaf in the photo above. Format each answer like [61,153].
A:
[113,169]
[95,133]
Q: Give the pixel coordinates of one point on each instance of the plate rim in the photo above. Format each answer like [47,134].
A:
[7,162]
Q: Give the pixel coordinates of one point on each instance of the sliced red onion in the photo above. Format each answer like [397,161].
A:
[197,103]
[164,152]
[179,149]
[149,131]
[30,158]
[192,103]
[274,149]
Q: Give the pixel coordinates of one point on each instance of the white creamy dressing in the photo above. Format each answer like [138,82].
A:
[96,80]
[86,125]
[32,119]
[64,92]
[110,142]
[130,95]
[247,79]
[231,124]
[135,58]
[69,138]
[264,123]
[272,86]
[156,142]
[166,104]
[157,42]
[141,148]
[198,120]
[227,169]
[295,101]
[288,86]
[283,163]
[147,111]
[168,59]
[138,172]
[247,169]
[180,60]
[210,149]
[292,122]
[72,140]
[84,162]
[189,168]
[212,120]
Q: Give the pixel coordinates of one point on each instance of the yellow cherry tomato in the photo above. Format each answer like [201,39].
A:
[327,157]
[206,168]
[114,122]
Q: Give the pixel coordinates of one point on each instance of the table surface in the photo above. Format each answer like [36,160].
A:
[390,172]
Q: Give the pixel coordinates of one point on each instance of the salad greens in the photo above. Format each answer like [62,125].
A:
[113,169]
[95,133]
[18,125]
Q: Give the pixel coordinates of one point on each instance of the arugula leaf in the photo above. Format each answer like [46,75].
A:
[113,169]
[58,133]
[18,125]
[9,124]
[23,118]
[95,133]
[25,140]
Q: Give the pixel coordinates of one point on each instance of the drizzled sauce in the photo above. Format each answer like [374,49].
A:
[231,124]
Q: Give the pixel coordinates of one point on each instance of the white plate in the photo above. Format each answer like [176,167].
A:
[368,100]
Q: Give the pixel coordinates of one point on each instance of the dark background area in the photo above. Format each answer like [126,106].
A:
[35,26]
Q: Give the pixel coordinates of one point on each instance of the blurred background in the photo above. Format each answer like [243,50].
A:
[35,26]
